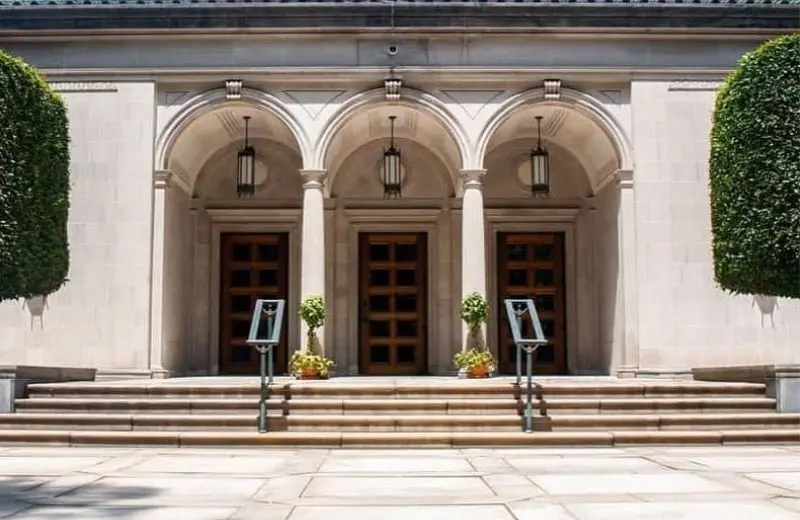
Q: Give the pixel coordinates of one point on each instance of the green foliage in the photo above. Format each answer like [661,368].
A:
[303,360]
[34,183]
[755,173]
[475,312]
[475,358]
[312,312]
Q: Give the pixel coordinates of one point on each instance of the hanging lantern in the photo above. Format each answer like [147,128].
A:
[246,174]
[390,172]
[540,165]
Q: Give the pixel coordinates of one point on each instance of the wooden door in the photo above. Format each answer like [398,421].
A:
[393,303]
[531,265]
[254,266]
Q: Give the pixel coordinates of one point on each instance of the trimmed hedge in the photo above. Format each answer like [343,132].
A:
[755,173]
[34,183]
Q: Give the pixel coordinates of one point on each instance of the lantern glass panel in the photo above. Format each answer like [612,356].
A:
[391,170]
[246,177]
[540,172]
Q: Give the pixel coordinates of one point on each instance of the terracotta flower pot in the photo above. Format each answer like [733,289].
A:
[309,373]
[479,372]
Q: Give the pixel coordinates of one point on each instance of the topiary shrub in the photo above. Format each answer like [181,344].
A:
[755,173]
[34,183]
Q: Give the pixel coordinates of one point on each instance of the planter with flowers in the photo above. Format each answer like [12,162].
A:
[308,363]
[475,361]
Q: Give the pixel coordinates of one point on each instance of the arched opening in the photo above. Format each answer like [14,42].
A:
[390,254]
[430,155]
[563,249]
[204,153]
[582,156]
[223,252]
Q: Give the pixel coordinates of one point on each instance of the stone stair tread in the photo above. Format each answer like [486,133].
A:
[564,400]
[397,439]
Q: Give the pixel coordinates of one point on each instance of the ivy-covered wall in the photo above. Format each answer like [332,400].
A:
[34,183]
[755,173]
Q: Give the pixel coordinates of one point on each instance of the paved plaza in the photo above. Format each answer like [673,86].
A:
[643,483]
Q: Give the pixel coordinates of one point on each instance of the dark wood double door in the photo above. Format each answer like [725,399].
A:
[254,266]
[531,265]
[393,314]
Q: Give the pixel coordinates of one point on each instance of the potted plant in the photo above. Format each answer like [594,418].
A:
[308,363]
[476,360]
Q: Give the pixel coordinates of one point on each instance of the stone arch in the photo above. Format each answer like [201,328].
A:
[570,98]
[412,98]
[206,102]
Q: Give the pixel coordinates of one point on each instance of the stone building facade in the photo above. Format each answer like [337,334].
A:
[167,260]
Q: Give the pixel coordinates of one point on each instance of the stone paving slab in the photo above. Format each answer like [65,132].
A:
[637,483]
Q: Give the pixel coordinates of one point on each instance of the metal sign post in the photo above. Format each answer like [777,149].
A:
[516,309]
[265,334]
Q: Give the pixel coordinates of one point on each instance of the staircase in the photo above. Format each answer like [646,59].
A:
[407,412]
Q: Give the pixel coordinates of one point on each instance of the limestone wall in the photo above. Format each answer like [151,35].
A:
[684,319]
[100,317]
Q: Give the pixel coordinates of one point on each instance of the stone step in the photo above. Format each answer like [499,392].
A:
[280,407]
[395,439]
[452,388]
[361,423]
[394,406]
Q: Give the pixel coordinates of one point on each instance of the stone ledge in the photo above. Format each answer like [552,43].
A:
[14,380]
[782,381]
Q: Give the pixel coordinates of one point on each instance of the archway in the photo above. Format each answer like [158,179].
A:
[218,258]
[407,319]
[431,157]
[571,239]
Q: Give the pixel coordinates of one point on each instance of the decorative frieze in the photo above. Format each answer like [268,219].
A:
[83,86]
[233,89]
[690,85]
[552,89]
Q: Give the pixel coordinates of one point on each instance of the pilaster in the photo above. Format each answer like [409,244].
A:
[626,222]
[161,182]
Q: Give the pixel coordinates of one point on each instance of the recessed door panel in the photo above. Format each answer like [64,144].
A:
[392,303]
[254,266]
[531,265]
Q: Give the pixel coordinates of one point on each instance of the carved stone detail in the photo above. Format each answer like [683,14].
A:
[233,89]
[393,87]
[83,86]
[691,85]
[552,89]
[161,179]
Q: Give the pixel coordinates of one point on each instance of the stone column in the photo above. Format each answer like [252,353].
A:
[626,229]
[473,243]
[312,246]
[161,182]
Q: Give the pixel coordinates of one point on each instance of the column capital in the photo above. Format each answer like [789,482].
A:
[472,179]
[624,178]
[313,179]
[165,179]
[162,179]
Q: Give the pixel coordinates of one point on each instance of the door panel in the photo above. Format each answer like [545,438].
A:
[254,266]
[392,303]
[531,265]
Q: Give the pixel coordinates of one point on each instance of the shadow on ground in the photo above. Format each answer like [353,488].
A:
[39,498]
